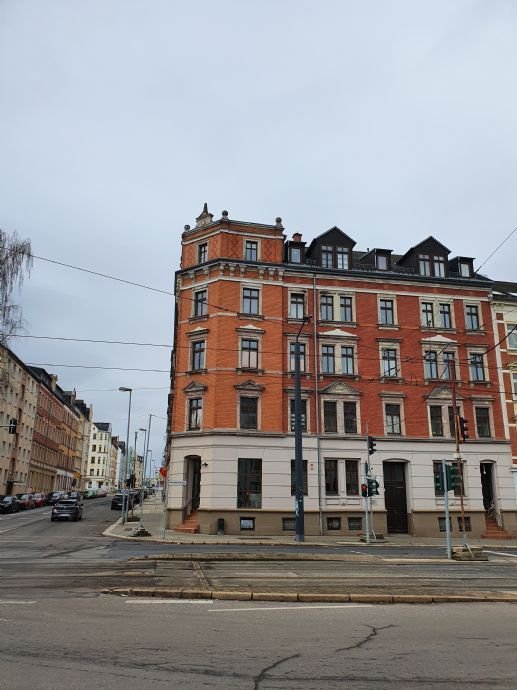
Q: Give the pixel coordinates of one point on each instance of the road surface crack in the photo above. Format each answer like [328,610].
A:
[262,675]
[373,633]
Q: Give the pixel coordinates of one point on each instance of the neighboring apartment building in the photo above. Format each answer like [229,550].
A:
[57,443]
[18,400]
[383,339]
[100,470]
[505,312]
[84,444]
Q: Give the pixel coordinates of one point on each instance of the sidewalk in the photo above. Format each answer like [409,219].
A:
[154,521]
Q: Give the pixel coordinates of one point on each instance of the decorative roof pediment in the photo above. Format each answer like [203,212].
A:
[339,388]
[250,327]
[204,218]
[337,333]
[249,386]
[439,339]
[442,393]
[194,387]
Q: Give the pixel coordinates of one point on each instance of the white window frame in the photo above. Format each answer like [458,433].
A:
[436,323]
[490,420]
[245,247]
[390,346]
[479,315]
[301,293]
[258,289]
[194,396]
[482,354]
[400,404]
[440,361]
[339,400]
[199,290]
[393,300]
[241,351]
[204,243]
[337,344]
[511,336]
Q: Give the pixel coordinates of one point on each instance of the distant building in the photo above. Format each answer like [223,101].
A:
[100,469]
[18,400]
[386,340]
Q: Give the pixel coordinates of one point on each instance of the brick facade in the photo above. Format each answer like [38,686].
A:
[382,334]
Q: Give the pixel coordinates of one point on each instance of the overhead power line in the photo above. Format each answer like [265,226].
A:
[86,366]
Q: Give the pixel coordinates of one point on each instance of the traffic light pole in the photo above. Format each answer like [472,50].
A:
[366,511]
[457,457]
[447,518]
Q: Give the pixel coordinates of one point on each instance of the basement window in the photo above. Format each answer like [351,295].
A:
[468,526]
[288,524]
[442,524]
[333,523]
[355,523]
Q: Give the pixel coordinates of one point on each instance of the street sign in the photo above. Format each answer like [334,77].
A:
[180,482]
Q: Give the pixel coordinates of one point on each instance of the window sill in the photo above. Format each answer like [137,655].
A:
[391,379]
[256,317]
[480,383]
[296,319]
[249,370]
[475,331]
[191,372]
[388,326]
[349,324]
[203,317]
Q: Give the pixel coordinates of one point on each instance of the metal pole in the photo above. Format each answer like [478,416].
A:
[366,512]
[447,521]
[146,451]
[298,458]
[142,479]
[457,458]
[130,391]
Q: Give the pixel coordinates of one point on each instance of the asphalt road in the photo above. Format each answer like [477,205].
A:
[71,559]
[130,644]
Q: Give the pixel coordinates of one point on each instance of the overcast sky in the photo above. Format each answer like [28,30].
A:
[119,118]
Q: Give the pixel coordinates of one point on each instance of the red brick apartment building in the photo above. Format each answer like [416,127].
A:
[381,335]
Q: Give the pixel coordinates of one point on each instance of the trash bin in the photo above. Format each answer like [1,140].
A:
[220,526]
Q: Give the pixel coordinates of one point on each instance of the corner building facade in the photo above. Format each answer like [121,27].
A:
[384,340]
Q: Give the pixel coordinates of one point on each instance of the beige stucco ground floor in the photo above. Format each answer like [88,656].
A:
[243,484]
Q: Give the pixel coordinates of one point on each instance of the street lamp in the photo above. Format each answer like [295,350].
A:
[123,389]
[298,453]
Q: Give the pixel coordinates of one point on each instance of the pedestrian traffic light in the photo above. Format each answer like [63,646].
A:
[373,487]
[371,445]
[439,487]
[453,477]
[364,490]
[464,429]
[13,423]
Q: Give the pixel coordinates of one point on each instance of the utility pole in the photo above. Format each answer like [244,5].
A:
[447,518]
[298,451]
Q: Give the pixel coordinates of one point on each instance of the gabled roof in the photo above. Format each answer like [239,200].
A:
[412,250]
[334,229]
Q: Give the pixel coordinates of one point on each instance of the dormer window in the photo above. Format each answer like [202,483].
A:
[295,255]
[342,258]
[465,269]
[429,265]
[327,254]
[381,262]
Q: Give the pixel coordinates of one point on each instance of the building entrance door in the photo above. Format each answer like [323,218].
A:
[395,497]
[487,486]
[194,482]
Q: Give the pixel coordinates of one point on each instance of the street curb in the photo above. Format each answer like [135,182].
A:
[306,597]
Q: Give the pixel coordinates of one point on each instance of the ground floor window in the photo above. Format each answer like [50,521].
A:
[288,524]
[355,523]
[331,478]
[249,483]
[468,526]
[352,477]
[333,523]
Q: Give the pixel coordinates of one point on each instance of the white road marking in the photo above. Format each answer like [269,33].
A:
[15,601]
[501,553]
[168,601]
[292,608]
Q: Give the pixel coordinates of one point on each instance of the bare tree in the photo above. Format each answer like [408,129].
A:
[15,261]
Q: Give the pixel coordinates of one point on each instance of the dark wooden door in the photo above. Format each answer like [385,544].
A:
[395,497]
[196,483]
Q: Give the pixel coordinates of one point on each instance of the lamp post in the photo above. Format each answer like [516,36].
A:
[142,477]
[298,453]
[130,391]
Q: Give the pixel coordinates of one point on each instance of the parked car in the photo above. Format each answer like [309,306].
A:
[90,493]
[101,493]
[116,501]
[53,497]
[9,504]
[67,508]
[40,499]
[26,501]
[74,494]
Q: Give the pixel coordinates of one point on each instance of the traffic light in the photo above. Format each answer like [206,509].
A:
[371,445]
[439,487]
[453,477]
[364,490]
[13,423]
[373,487]
[464,429]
